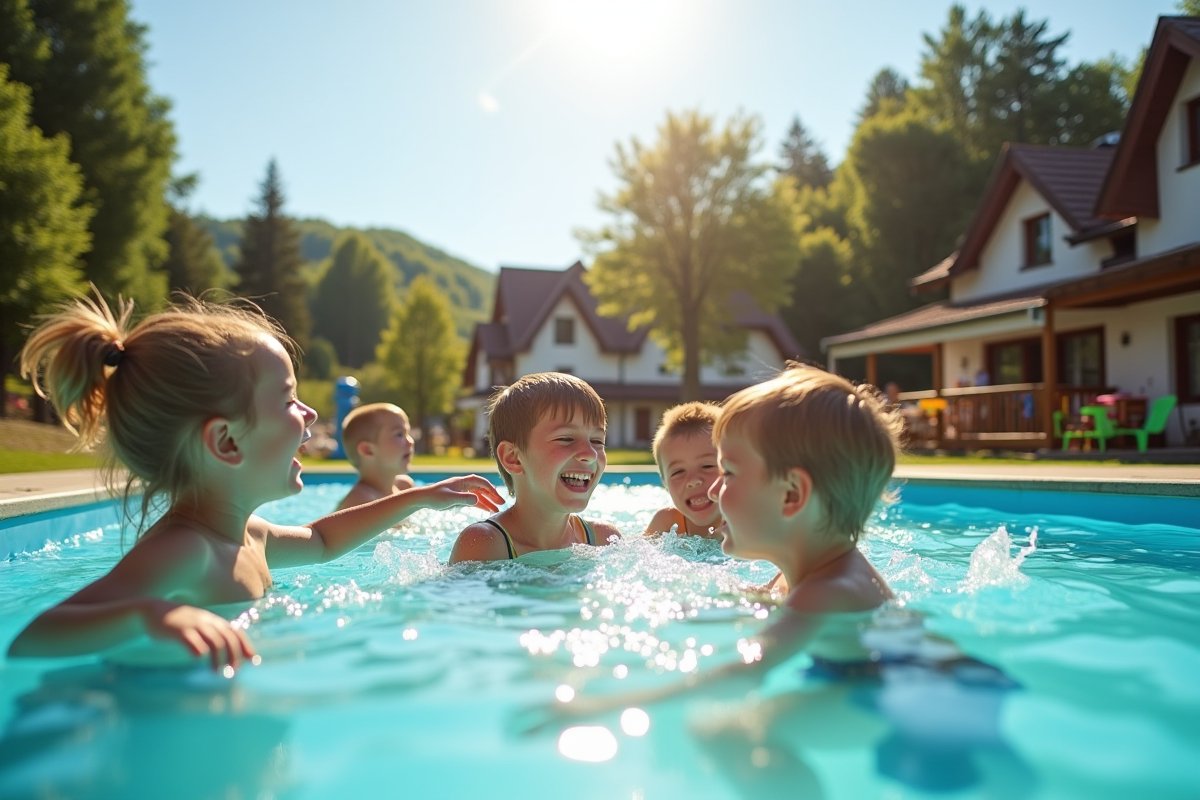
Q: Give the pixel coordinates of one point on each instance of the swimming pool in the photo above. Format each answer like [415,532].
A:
[386,674]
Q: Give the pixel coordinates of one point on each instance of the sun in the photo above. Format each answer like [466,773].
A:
[614,31]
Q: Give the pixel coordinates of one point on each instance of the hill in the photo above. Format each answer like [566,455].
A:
[469,288]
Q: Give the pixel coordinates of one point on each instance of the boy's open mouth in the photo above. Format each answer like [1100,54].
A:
[576,481]
[700,503]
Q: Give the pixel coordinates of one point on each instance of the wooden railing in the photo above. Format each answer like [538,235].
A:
[980,416]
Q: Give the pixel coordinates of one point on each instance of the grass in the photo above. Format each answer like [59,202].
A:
[12,461]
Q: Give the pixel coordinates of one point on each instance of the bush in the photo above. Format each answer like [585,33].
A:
[320,360]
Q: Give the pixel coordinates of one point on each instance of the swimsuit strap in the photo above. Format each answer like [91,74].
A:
[683,521]
[508,542]
[587,528]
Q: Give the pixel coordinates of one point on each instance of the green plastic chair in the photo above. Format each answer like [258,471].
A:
[1102,428]
[1156,422]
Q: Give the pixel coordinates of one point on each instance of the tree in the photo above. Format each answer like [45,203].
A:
[84,61]
[422,354]
[822,297]
[913,189]
[43,223]
[354,300]
[887,94]
[193,264]
[268,268]
[803,159]
[693,221]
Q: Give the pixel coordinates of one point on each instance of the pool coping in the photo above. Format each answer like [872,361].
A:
[22,494]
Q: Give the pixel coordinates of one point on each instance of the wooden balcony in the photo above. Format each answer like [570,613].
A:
[1009,416]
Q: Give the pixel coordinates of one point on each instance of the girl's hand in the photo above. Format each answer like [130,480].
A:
[469,490]
[202,632]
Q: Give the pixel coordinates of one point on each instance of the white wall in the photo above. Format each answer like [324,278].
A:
[583,358]
[1178,190]
[483,377]
[1001,263]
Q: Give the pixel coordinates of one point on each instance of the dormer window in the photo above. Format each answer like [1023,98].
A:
[1192,131]
[1037,241]
[564,330]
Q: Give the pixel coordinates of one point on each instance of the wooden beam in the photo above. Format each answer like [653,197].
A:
[1049,373]
[872,370]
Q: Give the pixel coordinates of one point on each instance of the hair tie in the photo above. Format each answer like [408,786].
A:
[113,357]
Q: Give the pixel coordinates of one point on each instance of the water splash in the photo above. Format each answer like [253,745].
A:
[992,565]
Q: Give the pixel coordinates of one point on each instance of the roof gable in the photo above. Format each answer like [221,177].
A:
[1131,188]
[1068,178]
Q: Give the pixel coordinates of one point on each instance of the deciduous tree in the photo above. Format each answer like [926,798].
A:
[354,300]
[694,220]
[43,223]
[422,355]
[84,61]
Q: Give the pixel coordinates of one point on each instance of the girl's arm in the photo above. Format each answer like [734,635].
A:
[662,521]
[130,601]
[342,531]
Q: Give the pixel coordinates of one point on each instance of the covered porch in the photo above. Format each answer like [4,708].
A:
[1014,372]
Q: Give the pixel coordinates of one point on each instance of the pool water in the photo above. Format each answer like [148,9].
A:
[386,674]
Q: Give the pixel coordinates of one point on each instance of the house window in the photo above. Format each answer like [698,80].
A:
[732,370]
[1037,241]
[1187,358]
[1081,358]
[641,424]
[564,330]
[1193,132]
[1017,361]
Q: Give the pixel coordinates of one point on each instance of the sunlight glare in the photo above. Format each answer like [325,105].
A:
[635,722]
[592,743]
[614,31]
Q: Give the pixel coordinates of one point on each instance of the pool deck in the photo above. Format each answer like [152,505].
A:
[33,492]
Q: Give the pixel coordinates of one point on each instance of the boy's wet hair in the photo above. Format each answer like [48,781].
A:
[363,424]
[144,392]
[844,436]
[514,410]
[686,419]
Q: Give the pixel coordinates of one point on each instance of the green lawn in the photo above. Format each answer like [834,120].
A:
[29,461]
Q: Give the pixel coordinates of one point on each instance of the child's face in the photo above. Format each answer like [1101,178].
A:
[394,444]
[750,501]
[281,425]
[562,463]
[689,467]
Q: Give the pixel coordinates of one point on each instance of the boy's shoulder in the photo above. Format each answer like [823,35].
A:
[480,541]
[857,587]
[359,493]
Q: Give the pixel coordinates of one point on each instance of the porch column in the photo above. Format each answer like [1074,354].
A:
[937,368]
[872,370]
[1049,373]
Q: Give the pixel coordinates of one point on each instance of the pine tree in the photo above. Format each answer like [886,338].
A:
[268,269]
[354,300]
[886,94]
[43,224]
[422,355]
[803,159]
[84,60]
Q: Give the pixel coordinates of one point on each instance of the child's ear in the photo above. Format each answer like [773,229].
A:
[365,449]
[220,441]
[799,491]
[509,458]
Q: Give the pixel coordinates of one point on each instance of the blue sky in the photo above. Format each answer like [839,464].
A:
[485,127]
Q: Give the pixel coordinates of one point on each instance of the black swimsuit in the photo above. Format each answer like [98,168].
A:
[512,550]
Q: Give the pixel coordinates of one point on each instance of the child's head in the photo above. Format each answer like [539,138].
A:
[843,436]
[543,398]
[687,459]
[378,433]
[149,391]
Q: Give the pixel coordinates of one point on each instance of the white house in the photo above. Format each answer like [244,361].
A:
[1078,276]
[546,321]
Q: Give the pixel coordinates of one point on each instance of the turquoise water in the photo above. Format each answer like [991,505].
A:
[387,674]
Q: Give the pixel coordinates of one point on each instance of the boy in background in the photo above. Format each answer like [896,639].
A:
[687,463]
[547,435]
[378,444]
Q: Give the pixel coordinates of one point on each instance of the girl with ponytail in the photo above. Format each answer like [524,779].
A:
[195,407]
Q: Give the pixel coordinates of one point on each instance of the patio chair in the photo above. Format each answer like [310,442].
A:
[1156,422]
[1102,427]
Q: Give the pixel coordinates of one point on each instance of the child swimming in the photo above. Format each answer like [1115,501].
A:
[378,444]
[547,436]
[687,463]
[198,404]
